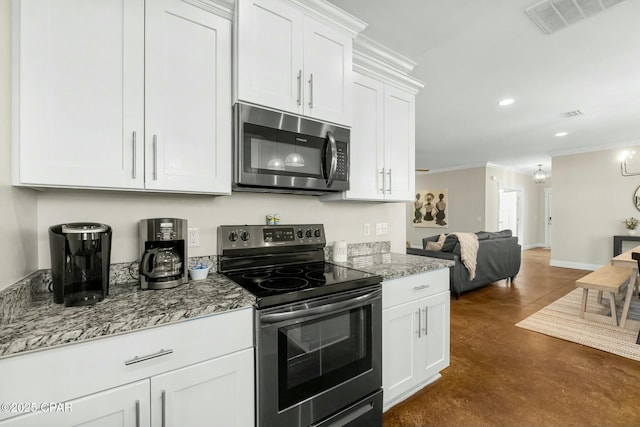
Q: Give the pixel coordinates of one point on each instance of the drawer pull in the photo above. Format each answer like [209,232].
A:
[421,287]
[137,359]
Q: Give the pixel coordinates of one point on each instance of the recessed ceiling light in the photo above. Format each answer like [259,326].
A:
[506,101]
[562,134]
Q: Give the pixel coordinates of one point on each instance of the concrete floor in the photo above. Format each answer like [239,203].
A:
[502,375]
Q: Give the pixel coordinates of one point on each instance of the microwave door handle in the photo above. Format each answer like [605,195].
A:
[334,158]
[323,309]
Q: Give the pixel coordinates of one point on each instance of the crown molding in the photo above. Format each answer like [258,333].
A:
[332,15]
[222,8]
[601,147]
[377,61]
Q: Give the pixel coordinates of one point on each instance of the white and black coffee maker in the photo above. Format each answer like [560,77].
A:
[163,244]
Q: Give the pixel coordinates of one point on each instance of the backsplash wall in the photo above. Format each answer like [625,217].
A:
[123,210]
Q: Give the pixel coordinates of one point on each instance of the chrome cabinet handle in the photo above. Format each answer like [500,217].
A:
[155,157]
[311,90]
[389,173]
[137,413]
[164,408]
[421,287]
[381,189]
[419,322]
[137,359]
[299,88]
[426,320]
[135,158]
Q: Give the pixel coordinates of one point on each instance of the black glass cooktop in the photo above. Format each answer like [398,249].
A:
[280,285]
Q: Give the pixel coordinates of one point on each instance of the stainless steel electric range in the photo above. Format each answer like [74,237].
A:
[318,327]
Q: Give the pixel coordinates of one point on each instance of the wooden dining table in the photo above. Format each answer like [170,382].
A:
[625,260]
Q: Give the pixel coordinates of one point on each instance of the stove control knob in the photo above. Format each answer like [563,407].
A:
[308,233]
[317,232]
[245,236]
[300,234]
[233,236]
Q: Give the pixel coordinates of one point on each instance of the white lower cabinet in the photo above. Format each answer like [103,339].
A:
[189,374]
[215,392]
[415,333]
[126,406]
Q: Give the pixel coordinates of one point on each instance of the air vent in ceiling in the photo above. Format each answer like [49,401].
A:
[553,15]
[572,113]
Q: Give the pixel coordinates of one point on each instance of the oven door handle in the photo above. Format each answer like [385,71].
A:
[323,309]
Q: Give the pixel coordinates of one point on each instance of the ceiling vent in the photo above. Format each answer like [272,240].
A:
[572,113]
[553,15]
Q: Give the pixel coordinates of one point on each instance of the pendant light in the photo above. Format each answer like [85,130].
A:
[540,176]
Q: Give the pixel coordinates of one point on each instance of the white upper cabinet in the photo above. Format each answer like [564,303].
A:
[122,95]
[79,87]
[399,144]
[291,58]
[382,146]
[187,98]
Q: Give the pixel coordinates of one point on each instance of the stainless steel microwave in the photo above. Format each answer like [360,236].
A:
[279,152]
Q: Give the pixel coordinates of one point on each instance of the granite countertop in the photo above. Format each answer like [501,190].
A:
[37,323]
[43,323]
[391,265]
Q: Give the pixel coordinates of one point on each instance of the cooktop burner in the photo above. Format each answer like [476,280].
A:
[278,285]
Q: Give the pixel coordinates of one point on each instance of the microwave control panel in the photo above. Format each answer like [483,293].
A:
[342,169]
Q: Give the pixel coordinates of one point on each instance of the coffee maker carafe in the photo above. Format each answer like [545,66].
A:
[164,253]
[80,259]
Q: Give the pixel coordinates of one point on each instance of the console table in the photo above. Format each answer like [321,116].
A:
[617,243]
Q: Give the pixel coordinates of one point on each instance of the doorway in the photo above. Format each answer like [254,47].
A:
[509,212]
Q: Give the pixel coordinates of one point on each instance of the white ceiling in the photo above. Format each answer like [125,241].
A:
[473,53]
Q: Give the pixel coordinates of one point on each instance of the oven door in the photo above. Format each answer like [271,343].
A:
[318,357]
[278,151]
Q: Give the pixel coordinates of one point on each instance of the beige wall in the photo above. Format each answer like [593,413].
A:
[17,206]
[466,204]
[27,214]
[590,201]
[474,202]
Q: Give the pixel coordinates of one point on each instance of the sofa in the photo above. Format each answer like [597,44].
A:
[499,257]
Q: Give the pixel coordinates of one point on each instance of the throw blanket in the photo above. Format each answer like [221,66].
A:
[468,251]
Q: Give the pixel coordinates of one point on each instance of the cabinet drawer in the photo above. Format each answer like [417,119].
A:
[411,288]
[64,373]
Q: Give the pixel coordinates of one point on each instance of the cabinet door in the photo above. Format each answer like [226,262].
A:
[269,54]
[366,146]
[126,406]
[399,150]
[434,348]
[79,93]
[327,73]
[400,329]
[216,392]
[188,98]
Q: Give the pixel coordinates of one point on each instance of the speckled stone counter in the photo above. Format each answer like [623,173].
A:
[391,265]
[41,323]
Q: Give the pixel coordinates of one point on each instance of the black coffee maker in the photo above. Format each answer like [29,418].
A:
[163,243]
[80,259]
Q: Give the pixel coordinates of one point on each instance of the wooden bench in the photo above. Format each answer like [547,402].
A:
[610,279]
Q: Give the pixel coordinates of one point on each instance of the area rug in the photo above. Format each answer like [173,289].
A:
[561,319]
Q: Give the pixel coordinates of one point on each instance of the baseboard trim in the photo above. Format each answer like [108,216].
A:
[574,265]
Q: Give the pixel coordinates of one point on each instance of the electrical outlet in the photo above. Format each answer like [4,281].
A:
[381,228]
[366,230]
[194,237]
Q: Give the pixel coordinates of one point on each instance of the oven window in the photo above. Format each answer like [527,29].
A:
[318,354]
[279,152]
